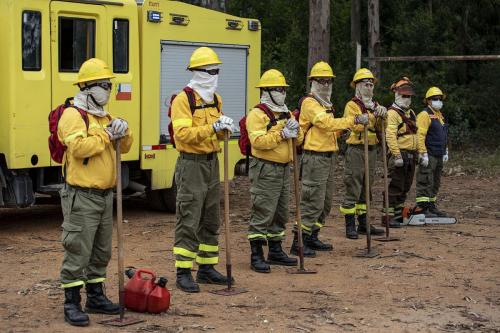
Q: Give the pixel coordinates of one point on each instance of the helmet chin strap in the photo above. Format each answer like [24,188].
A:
[272,98]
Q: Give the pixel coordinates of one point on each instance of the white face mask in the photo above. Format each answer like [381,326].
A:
[204,84]
[323,92]
[364,91]
[100,95]
[276,103]
[438,105]
[402,102]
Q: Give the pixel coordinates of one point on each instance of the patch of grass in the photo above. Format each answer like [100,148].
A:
[483,162]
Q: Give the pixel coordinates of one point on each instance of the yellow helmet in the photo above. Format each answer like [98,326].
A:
[272,78]
[203,56]
[321,69]
[433,91]
[361,74]
[93,69]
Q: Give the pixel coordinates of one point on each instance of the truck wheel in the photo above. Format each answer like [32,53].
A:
[163,200]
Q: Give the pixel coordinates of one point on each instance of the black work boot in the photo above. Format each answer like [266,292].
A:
[314,243]
[257,261]
[350,227]
[424,208]
[185,282]
[208,274]
[277,256]
[395,220]
[294,249]
[434,210]
[97,302]
[362,227]
[73,313]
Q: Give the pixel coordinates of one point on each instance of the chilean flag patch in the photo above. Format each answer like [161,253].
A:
[124,92]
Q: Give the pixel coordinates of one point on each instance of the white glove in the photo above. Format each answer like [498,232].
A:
[380,111]
[113,136]
[445,156]
[287,133]
[362,119]
[226,120]
[292,124]
[118,126]
[398,161]
[424,159]
[223,123]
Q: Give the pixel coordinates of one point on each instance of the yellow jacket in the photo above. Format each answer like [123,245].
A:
[395,143]
[193,133]
[99,171]
[357,134]
[268,144]
[320,126]
[423,123]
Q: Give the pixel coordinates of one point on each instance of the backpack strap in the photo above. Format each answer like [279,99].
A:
[192,101]
[272,119]
[411,127]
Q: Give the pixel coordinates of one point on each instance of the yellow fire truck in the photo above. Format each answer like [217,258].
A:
[147,44]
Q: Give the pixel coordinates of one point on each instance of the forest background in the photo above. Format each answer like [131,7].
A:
[407,28]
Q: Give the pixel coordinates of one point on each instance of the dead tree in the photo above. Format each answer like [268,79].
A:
[355,22]
[319,32]
[374,35]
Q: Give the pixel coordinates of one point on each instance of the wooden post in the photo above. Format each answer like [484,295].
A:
[319,32]
[374,35]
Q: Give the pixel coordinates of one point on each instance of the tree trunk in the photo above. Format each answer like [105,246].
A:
[319,32]
[219,5]
[355,21]
[374,35]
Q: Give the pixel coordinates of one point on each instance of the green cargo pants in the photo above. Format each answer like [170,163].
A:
[87,235]
[197,210]
[429,179]
[354,178]
[270,192]
[317,189]
[401,179]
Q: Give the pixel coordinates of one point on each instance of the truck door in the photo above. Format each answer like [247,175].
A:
[77,34]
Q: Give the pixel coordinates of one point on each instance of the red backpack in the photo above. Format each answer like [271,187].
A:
[192,105]
[56,147]
[244,141]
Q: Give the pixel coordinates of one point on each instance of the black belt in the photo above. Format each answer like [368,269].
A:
[319,153]
[198,157]
[362,146]
[94,191]
[273,163]
[408,153]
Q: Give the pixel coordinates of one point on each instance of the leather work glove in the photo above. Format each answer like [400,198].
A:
[445,156]
[113,136]
[118,126]
[424,159]
[380,111]
[362,119]
[292,124]
[287,133]
[398,161]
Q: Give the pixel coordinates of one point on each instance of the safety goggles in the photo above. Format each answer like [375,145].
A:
[214,71]
[436,98]
[323,81]
[281,90]
[406,96]
[103,85]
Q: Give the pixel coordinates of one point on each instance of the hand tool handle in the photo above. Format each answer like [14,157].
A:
[386,182]
[297,203]
[367,191]
[226,208]
[119,230]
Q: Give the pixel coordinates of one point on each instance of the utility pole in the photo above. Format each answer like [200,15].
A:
[319,32]
[355,22]
[374,35]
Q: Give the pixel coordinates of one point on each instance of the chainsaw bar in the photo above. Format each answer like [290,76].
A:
[420,219]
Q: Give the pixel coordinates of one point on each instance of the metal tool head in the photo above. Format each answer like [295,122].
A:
[228,291]
[301,271]
[364,253]
[120,322]
[387,239]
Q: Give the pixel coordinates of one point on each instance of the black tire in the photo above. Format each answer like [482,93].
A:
[163,200]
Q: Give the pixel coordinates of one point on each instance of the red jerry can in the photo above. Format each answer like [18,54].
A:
[138,289]
[159,299]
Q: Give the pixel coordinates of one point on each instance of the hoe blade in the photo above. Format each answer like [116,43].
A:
[229,291]
[301,271]
[387,239]
[121,322]
[364,253]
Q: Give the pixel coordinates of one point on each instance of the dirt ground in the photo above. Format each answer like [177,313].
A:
[440,278]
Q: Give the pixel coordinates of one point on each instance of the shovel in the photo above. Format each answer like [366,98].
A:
[301,269]
[230,290]
[386,191]
[122,320]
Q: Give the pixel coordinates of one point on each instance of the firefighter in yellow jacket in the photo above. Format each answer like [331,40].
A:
[87,196]
[401,135]
[433,152]
[354,202]
[270,128]
[197,133]
[319,156]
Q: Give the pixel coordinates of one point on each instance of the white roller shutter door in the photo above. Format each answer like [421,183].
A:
[232,77]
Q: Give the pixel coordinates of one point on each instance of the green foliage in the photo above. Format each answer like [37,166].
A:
[408,28]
